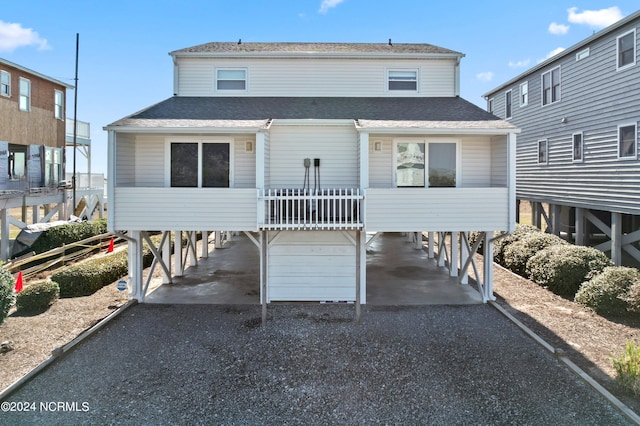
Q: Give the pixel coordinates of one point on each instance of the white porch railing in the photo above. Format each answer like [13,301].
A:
[304,209]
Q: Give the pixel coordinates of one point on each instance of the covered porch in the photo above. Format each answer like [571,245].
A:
[399,271]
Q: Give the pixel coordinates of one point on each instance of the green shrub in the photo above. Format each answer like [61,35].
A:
[627,367]
[606,293]
[563,268]
[58,236]
[85,278]
[38,296]
[6,293]
[501,244]
[517,254]
[89,276]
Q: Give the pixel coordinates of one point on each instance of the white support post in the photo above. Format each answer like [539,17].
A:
[464,255]
[616,238]
[35,210]
[363,270]
[453,267]
[191,248]
[135,265]
[264,246]
[4,239]
[554,211]
[431,245]
[488,267]
[580,227]
[205,244]
[417,241]
[166,257]
[177,253]
[218,243]
[358,277]
[442,248]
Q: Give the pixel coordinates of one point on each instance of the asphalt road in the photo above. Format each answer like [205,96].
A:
[215,364]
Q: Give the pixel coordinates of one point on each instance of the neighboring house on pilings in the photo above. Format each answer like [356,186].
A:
[578,150]
[32,141]
[306,148]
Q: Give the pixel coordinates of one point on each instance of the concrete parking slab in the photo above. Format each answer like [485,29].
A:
[397,274]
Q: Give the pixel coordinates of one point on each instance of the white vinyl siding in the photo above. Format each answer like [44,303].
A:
[244,164]
[315,77]
[436,209]
[125,160]
[188,209]
[380,163]
[311,266]
[335,147]
[149,165]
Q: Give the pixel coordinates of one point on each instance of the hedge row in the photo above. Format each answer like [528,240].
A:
[58,236]
[583,274]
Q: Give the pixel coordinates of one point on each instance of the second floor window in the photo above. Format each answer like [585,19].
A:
[627,49]
[507,104]
[524,93]
[578,149]
[5,83]
[543,151]
[403,80]
[25,94]
[551,86]
[58,98]
[231,79]
[627,141]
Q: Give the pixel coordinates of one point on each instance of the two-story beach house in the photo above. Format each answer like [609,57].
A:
[307,148]
[578,151]
[32,143]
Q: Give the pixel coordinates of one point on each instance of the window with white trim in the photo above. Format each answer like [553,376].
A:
[524,93]
[543,151]
[25,94]
[551,86]
[626,49]
[231,79]
[627,141]
[58,99]
[402,80]
[507,104]
[414,158]
[578,147]
[5,83]
[200,164]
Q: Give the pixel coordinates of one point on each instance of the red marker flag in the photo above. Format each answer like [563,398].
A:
[19,282]
[110,249]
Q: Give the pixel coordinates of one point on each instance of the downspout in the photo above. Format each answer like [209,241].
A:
[457,77]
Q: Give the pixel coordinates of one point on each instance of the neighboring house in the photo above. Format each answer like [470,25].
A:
[32,128]
[32,143]
[306,147]
[578,151]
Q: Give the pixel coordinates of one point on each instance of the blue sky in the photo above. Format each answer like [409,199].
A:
[124,64]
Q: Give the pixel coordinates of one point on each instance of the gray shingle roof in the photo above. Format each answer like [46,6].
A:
[320,48]
[325,108]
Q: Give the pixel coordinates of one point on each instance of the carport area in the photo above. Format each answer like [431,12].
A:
[397,274]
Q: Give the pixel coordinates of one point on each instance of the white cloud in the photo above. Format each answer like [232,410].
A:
[328,4]
[485,76]
[595,18]
[520,64]
[13,36]
[554,52]
[558,29]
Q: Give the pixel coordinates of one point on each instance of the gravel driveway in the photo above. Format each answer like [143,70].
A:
[214,364]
